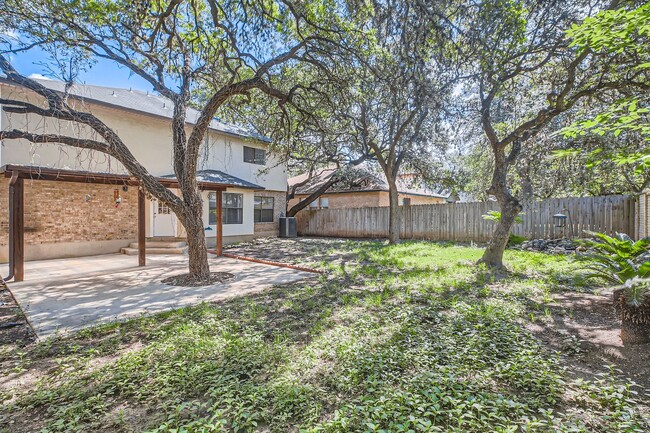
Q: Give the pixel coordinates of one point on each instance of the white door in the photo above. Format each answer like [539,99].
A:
[164,220]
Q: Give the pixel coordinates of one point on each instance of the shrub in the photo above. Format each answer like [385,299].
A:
[514,239]
[616,259]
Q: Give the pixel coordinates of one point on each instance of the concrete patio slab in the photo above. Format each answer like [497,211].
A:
[63,295]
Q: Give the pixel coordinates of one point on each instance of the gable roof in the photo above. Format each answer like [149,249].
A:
[363,180]
[219,177]
[140,102]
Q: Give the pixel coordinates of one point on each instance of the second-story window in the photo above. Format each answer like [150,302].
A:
[254,155]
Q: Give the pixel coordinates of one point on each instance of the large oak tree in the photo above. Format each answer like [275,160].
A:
[521,52]
[227,48]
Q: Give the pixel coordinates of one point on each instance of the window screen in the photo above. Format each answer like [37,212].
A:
[264,209]
[254,156]
[233,208]
[212,209]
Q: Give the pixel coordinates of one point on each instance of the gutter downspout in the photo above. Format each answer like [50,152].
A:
[12,238]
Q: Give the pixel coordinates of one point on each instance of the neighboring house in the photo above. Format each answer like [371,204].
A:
[365,188]
[64,219]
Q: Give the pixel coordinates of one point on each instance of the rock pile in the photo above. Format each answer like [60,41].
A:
[552,246]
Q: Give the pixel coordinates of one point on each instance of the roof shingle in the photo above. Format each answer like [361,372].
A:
[216,176]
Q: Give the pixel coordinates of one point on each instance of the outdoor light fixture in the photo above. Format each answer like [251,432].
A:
[117,197]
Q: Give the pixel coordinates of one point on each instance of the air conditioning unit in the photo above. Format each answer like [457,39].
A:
[288,227]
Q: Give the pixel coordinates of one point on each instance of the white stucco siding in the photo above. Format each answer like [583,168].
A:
[48,155]
[226,153]
[246,228]
[149,138]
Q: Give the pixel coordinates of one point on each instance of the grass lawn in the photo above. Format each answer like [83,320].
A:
[407,338]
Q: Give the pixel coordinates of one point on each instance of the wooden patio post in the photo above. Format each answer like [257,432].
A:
[17,230]
[142,256]
[219,222]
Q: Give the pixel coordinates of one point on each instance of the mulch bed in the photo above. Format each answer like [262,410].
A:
[14,328]
[185,280]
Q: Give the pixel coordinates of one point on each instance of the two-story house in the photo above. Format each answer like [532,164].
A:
[65,219]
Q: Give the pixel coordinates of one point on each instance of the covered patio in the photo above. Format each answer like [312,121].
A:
[17,176]
[64,295]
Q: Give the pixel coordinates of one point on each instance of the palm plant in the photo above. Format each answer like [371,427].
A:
[623,262]
[616,259]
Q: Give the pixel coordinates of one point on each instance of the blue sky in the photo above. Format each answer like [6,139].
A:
[103,73]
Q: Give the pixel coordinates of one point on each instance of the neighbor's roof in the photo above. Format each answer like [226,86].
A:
[216,176]
[364,180]
[141,102]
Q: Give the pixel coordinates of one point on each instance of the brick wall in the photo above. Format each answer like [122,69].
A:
[415,199]
[418,199]
[279,208]
[72,212]
[347,200]
[368,199]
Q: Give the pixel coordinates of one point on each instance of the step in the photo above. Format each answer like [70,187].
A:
[160,244]
[134,251]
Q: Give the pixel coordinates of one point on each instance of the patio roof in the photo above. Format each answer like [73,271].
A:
[63,175]
[221,178]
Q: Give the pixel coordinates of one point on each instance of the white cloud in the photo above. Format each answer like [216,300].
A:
[39,77]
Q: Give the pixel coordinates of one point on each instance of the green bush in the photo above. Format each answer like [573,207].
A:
[495,216]
[514,240]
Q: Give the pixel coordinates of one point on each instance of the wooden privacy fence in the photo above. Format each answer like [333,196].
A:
[463,222]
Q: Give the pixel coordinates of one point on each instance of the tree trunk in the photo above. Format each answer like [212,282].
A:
[635,321]
[199,268]
[493,254]
[311,197]
[527,192]
[394,220]
[510,208]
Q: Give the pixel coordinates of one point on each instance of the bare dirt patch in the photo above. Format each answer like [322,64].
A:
[296,251]
[584,327]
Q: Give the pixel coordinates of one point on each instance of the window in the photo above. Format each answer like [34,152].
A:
[212,209]
[320,203]
[233,208]
[406,201]
[254,156]
[163,209]
[264,209]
